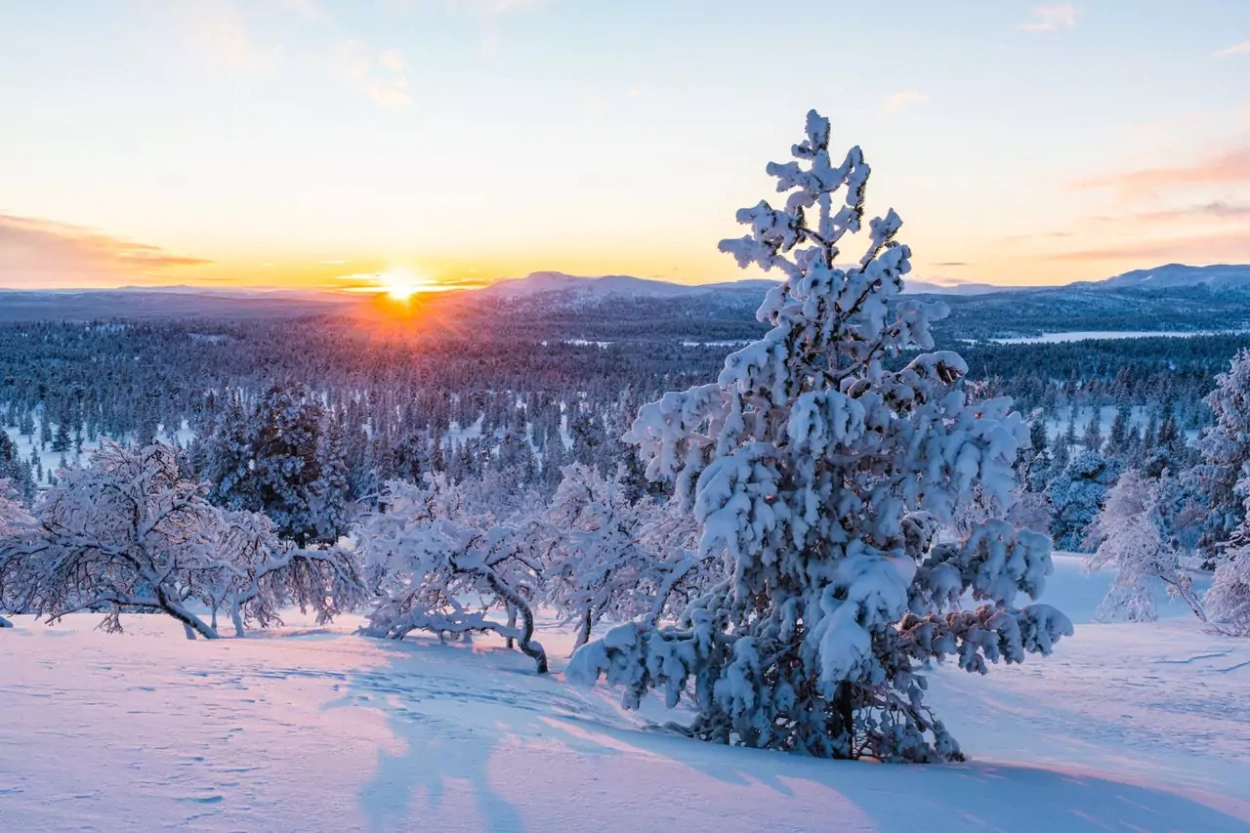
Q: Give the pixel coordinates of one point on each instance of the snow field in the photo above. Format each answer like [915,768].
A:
[1125,728]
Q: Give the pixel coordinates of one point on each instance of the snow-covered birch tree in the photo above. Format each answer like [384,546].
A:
[1228,598]
[122,533]
[1135,539]
[258,574]
[435,565]
[126,533]
[17,528]
[824,471]
[612,557]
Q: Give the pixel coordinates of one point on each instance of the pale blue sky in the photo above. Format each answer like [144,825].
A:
[474,139]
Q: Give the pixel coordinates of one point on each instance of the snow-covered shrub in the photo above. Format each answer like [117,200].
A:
[1135,539]
[824,475]
[611,556]
[435,564]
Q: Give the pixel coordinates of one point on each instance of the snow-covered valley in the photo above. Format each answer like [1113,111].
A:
[1127,727]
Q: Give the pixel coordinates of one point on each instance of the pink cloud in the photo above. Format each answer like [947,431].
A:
[35,252]
[1233,166]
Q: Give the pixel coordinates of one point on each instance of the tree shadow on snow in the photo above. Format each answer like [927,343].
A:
[456,719]
[446,727]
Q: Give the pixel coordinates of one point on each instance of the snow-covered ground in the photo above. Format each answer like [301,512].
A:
[1125,728]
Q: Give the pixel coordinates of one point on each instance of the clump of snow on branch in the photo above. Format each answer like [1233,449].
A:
[823,475]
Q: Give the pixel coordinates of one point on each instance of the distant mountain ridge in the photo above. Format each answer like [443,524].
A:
[1168,276]
[1178,275]
[586,288]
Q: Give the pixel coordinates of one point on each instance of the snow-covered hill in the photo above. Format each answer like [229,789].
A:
[1178,275]
[1135,727]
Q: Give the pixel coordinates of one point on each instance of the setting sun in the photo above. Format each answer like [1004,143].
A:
[402,284]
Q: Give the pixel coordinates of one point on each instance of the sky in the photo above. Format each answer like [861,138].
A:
[308,143]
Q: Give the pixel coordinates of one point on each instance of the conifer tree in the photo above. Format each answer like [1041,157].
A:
[822,476]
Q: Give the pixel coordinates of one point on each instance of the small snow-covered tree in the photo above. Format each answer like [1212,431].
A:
[1228,598]
[612,557]
[824,475]
[285,459]
[434,564]
[1135,539]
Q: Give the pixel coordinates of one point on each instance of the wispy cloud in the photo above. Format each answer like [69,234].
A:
[899,100]
[379,75]
[1218,209]
[1232,166]
[1242,48]
[1051,17]
[1206,248]
[37,252]
[952,263]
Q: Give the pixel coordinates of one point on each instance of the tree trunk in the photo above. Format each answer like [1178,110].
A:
[583,633]
[531,649]
[1195,604]
[509,641]
[844,704]
[192,623]
[236,616]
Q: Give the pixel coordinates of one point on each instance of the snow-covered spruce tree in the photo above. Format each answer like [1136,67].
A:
[434,564]
[1077,495]
[284,459]
[1222,475]
[824,474]
[612,557]
[1134,534]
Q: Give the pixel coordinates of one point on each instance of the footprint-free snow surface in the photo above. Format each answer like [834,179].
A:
[1126,728]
